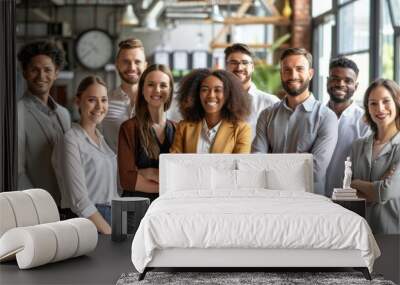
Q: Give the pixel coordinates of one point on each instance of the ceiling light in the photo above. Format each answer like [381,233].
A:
[216,15]
[129,18]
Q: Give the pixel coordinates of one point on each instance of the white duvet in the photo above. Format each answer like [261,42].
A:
[253,218]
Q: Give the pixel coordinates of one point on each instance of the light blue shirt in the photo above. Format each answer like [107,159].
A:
[351,127]
[383,216]
[310,128]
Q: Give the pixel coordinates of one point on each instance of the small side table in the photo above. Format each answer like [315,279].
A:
[357,206]
[126,214]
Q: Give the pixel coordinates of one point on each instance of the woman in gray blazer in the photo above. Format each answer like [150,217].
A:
[376,158]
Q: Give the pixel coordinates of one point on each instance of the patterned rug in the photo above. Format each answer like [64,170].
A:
[243,278]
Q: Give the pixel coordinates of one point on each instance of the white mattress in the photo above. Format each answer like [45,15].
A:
[252,218]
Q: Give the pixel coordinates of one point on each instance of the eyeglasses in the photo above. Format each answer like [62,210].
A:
[235,63]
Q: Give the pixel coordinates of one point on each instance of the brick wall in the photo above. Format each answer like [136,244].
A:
[301,24]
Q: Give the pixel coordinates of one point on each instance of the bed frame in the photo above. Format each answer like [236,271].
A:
[250,258]
[242,259]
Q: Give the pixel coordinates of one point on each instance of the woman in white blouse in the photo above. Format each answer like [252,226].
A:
[86,167]
[376,159]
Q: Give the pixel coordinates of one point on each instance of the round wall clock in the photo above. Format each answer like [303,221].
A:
[94,48]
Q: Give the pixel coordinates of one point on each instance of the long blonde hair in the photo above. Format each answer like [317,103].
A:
[144,121]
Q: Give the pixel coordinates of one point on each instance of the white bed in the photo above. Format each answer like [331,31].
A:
[247,211]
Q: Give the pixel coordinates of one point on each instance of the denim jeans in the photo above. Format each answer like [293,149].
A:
[105,211]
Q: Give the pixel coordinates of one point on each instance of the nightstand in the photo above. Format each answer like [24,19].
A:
[127,212]
[356,205]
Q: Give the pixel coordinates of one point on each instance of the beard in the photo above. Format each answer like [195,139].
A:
[336,99]
[291,91]
[243,77]
[129,80]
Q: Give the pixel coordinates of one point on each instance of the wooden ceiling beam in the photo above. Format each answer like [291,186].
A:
[275,20]
[240,13]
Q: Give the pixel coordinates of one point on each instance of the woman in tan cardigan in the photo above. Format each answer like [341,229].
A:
[142,138]
[214,107]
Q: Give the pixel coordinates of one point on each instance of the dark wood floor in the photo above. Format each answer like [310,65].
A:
[106,264]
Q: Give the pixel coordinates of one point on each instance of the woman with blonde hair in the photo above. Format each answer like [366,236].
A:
[214,107]
[376,159]
[86,167]
[145,136]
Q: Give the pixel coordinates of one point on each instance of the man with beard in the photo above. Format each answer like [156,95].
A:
[299,123]
[239,61]
[41,121]
[130,63]
[342,83]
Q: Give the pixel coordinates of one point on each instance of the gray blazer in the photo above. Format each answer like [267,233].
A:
[383,216]
[37,134]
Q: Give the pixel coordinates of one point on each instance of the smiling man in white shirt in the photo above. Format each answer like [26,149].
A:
[130,63]
[341,85]
[239,61]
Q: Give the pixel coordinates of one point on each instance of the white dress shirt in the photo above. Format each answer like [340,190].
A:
[207,137]
[86,172]
[351,127]
[259,101]
[120,109]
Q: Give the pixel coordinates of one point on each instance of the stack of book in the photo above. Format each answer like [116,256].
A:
[344,194]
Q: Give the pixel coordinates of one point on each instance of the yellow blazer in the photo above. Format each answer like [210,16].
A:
[230,138]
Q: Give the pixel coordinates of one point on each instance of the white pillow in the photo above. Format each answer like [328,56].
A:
[188,177]
[251,178]
[224,179]
[293,179]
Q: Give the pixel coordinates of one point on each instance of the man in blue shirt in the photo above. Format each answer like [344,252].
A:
[299,123]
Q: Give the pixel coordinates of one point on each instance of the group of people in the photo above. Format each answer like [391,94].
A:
[114,148]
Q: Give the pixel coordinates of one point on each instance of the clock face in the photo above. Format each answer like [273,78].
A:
[94,49]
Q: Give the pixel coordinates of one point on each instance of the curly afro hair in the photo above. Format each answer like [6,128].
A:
[237,100]
[28,51]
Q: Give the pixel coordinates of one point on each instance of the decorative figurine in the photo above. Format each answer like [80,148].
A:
[347,174]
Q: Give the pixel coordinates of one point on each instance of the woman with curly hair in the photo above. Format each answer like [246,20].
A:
[376,158]
[214,107]
[143,137]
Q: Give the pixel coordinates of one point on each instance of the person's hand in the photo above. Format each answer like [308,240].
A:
[106,230]
[365,190]
[389,173]
[355,184]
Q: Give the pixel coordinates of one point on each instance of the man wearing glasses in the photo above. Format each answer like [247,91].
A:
[341,85]
[239,61]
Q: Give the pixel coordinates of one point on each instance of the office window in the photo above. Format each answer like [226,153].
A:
[387,43]
[354,25]
[320,7]
[340,2]
[362,61]
[322,49]
[395,9]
